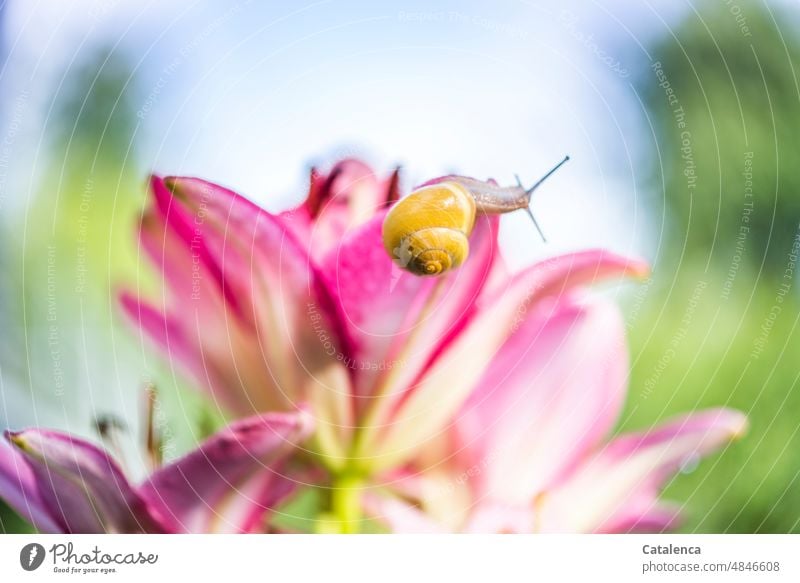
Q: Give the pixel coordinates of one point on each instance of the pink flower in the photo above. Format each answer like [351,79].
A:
[523,374]
[339,201]
[528,452]
[61,483]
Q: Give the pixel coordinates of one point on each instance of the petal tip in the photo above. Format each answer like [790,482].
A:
[155,181]
[173,184]
[639,269]
[16,438]
[305,422]
[739,426]
[730,424]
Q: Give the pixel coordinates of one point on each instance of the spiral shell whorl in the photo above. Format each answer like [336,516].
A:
[432,251]
[432,262]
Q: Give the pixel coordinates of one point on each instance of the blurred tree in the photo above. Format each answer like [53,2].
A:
[734,111]
[719,323]
[78,229]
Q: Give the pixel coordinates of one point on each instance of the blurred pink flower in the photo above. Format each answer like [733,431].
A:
[62,483]
[522,374]
[266,311]
[528,452]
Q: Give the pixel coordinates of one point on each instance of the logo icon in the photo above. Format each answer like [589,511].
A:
[31,556]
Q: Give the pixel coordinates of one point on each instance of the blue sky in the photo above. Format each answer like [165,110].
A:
[249,93]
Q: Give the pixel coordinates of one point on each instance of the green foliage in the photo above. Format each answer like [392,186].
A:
[719,325]
[83,215]
[736,85]
[10,523]
[693,348]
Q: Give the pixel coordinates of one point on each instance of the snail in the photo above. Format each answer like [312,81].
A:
[427,232]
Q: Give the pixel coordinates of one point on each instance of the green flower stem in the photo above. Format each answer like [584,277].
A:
[346,502]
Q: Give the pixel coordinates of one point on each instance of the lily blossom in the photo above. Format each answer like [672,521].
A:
[485,398]
[339,201]
[307,306]
[529,450]
[62,483]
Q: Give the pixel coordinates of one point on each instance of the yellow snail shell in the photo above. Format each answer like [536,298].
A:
[428,231]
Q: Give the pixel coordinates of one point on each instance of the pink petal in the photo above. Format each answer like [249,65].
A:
[616,482]
[398,321]
[558,275]
[192,235]
[482,517]
[553,390]
[195,326]
[231,480]
[456,372]
[338,202]
[193,280]
[250,249]
[246,308]
[401,517]
[500,518]
[644,514]
[82,487]
[18,487]
[227,372]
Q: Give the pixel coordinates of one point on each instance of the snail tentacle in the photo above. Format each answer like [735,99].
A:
[427,232]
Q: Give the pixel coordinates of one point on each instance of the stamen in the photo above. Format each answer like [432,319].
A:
[109,427]
[152,437]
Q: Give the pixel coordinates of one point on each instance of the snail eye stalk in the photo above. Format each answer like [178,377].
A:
[531,190]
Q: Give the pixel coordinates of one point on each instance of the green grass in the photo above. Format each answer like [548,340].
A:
[753,485]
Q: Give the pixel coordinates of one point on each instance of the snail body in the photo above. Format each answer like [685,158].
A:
[489,197]
[427,232]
